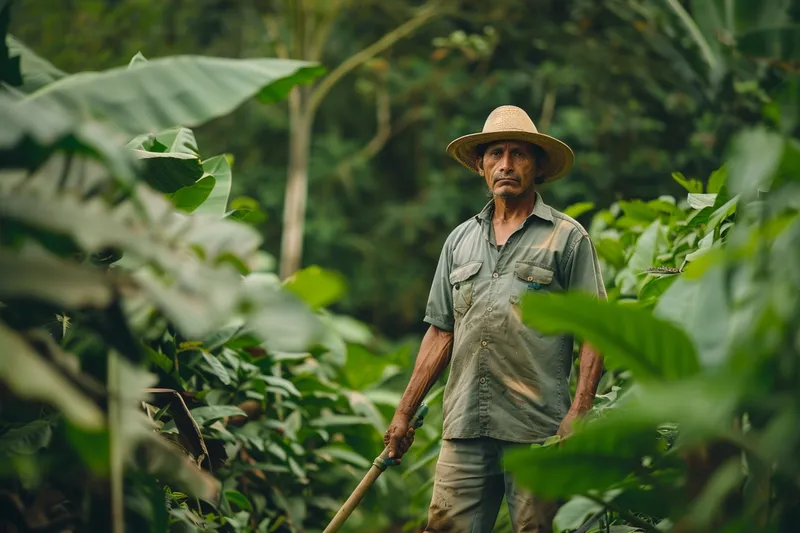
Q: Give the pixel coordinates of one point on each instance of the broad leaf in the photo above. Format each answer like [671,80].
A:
[179,140]
[315,286]
[576,210]
[31,377]
[170,171]
[190,198]
[691,185]
[206,415]
[700,308]
[699,201]
[180,90]
[756,156]
[628,336]
[574,513]
[36,71]
[27,439]
[239,500]
[595,457]
[217,201]
[45,278]
[776,43]
[216,367]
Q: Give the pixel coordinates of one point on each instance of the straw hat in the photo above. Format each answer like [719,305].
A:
[507,123]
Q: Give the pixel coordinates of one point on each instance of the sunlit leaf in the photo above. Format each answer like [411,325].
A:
[577,209]
[316,286]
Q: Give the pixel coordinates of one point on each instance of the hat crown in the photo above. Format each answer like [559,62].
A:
[509,118]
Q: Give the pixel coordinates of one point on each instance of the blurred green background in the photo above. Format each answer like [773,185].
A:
[621,81]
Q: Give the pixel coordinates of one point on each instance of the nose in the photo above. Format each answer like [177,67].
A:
[504,165]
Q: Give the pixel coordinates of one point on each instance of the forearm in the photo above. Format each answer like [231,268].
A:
[433,357]
[591,368]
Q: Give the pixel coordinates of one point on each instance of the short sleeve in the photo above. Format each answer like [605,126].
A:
[583,269]
[439,310]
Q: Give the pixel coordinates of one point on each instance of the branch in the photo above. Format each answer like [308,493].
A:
[322,31]
[384,130]
[424,15]
[275,36]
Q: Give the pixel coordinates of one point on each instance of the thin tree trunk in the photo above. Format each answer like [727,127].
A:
[294,214]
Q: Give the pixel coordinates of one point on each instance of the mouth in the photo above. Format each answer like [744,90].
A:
[505,180]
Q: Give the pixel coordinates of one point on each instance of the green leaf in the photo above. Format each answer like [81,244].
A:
[628,336]
[638,210]
[612,251]
[216,367]
[178,140]
[92,446]
[240,500]
[647,246]
[700,308]
[717,180]
[699,201]
[776,43]
[41,276]
[756,154]
[316,286]
[190,198]
[30,377]
[36,71]
[691,185]
[178,90]
[654,288]
[595,457]
[574,513]
[217,201]
[209,414]
[723,212]
[339,420]
[579,208]
[27,439]
[343,454]
[136,60]
[168,172]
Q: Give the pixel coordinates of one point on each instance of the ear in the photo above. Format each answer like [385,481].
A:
[479,164]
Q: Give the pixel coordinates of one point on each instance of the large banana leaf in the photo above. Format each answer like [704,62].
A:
[36,71]
[628,336]
[173,91]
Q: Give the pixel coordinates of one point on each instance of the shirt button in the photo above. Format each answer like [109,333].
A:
[484,343]
[483,380]
[489,309]
[495,275]
[530,278]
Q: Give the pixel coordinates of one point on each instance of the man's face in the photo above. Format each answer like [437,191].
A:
[509,168]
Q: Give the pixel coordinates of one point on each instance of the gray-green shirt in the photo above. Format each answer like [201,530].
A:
[508,381]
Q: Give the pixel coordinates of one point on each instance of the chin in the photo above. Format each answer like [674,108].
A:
[506,192]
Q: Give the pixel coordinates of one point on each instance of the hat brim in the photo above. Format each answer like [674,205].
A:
[559,161]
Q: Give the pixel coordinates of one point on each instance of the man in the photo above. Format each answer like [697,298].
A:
[508,384]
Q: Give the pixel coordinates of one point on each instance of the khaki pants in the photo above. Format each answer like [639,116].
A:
[468,489]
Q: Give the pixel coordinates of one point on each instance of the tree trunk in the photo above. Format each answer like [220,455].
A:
[294,214]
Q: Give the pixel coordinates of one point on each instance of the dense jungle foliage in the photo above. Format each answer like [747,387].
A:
[156,374]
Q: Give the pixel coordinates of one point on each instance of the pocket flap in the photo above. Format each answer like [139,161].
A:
[465,271]
[533,273]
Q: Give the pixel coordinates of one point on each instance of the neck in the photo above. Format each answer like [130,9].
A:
[514,209]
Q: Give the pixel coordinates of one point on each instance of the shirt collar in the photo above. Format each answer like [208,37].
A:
[540,209]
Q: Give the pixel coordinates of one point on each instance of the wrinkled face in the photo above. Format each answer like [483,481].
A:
[509,168]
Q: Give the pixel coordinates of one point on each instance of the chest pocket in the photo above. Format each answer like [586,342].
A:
[462,283]
[530,278]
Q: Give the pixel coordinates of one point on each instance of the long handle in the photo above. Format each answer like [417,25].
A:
[381,463]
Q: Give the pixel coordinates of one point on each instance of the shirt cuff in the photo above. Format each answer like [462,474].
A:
[439,323]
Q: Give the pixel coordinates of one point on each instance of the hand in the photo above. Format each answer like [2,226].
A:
[399,437]
[565,429]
